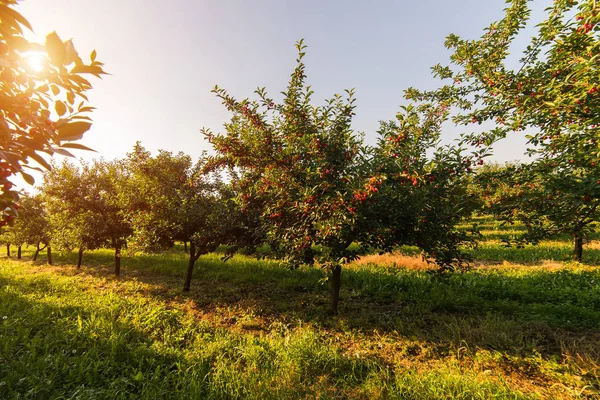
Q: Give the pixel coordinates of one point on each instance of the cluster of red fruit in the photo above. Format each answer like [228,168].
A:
[585,28]
[252,116]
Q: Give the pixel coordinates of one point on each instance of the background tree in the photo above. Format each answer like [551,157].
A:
[152,196]
[104,185]
[92,196]
[168,199]
[33,226]
[29,95]
[6,238]
[72,211]
[206,215]
[547,201]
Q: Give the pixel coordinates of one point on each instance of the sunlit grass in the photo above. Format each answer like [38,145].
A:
[522,324]
[251,329]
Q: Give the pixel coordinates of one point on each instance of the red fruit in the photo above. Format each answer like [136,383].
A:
[9,218]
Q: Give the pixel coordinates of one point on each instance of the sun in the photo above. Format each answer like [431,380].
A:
[35,62]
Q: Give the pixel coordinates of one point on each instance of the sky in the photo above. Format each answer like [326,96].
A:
[164,58]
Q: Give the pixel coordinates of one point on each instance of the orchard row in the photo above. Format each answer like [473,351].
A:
[295,175]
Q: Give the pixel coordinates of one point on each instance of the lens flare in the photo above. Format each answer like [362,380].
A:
[35,62]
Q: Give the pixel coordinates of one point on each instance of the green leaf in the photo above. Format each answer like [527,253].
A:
[56,49]
[73,130]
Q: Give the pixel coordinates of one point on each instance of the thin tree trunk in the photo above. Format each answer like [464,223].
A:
[578,251]
[19,253]
[7,249]
[37,251]
[49,252]
[185,246]
[336,278]
[79,257]
[190,268]
[118,261]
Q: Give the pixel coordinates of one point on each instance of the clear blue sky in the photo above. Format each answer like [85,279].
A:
[165,57]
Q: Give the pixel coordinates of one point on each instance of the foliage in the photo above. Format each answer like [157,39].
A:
[168,199]
[424,194]
[299,163]
[87,206]
[33,226]
[74,213]
[554,90]
[42,110]
[553,87]
[546,200]
[152,197]
[301,166]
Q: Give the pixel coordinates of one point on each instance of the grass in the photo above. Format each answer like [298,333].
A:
[252,329]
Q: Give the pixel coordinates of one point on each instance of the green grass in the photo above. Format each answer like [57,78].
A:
[251,329]
[558,248]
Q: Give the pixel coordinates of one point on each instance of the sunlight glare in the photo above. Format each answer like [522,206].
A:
[35,62]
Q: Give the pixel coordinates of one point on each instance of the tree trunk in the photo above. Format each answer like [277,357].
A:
[19,253]
[49,252]
[190,268]
[7,249]
[79,257]
[37,251]
[336,278]
[185,246]
[118,261]
[578,251]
